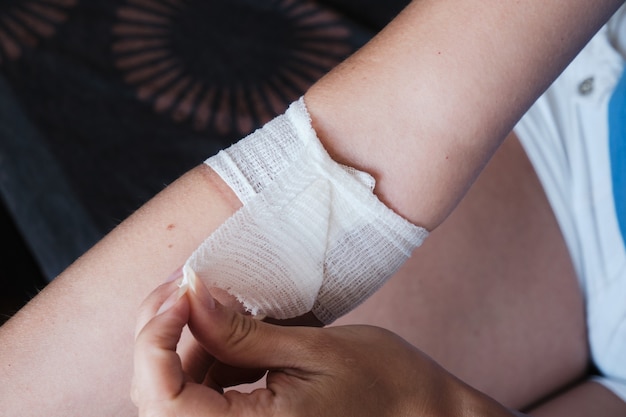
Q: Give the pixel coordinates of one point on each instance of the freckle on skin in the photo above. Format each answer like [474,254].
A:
[170,246]
[171,226]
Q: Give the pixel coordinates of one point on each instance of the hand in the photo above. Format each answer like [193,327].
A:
[345,371]
[196,360]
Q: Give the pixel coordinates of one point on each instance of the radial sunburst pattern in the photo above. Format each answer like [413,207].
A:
[23,23]
[228,65]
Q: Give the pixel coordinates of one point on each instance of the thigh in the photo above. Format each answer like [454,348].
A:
[492,294]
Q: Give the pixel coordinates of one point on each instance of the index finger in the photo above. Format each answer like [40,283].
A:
[151,304]
[158,373]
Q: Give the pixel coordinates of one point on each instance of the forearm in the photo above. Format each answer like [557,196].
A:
[424,105]
[69,351]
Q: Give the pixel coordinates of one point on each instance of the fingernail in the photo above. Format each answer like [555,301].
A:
[199,289]
[175,275]
[259,316]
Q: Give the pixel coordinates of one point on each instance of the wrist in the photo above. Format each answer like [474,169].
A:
[449,396]
[474,403]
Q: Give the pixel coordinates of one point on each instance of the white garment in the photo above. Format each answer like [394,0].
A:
[565,135]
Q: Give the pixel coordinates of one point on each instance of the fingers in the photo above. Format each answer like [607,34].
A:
[240,340]
[152,303]
[201,367]
[158,373]
[160,387]
[196,361]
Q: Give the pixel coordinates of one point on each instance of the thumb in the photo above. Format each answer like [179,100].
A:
[243,341]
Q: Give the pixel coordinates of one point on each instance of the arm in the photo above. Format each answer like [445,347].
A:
[425,104]
[69,351]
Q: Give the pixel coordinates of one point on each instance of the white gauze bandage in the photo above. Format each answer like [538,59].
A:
[311,235]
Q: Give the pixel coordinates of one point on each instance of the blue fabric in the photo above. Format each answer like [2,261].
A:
[617,149]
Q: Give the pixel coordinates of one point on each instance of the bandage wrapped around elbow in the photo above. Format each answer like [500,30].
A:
[310,236]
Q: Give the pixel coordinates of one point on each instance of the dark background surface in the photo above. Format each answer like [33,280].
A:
[20,276]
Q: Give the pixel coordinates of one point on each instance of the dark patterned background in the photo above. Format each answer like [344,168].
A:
[103,102]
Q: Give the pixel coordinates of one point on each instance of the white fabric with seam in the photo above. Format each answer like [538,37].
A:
[565,135]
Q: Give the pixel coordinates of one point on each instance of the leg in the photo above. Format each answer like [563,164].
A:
[585,399]
[492,292]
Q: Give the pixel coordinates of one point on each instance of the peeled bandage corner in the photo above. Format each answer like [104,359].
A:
[190,278]
[310,236]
